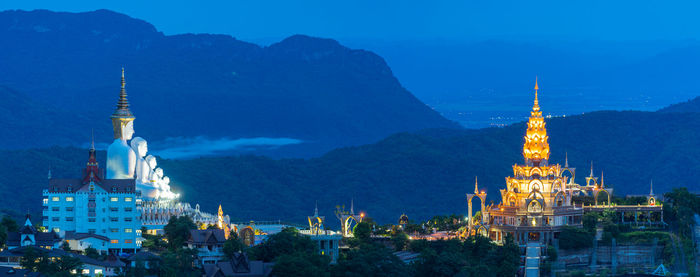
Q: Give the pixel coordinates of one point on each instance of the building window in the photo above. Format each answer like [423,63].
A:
[98,271]
[92,231]
[114,241]
[127,219]
[127,209]
[70,188]
[45,218]
[54,219]
[128,189]
[46,201]
[113,199]
[55,199]
[69,209]
[114,219]
[86,271]
[55,209]
[114,189]
[113,209]
[128,230]
[127,241]
[69,218]
[127,199]
[91,220]
[114,230]
[70,199]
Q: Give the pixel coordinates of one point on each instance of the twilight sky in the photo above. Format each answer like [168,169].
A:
[263,20]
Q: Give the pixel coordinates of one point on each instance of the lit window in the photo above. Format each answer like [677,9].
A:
[69,199]
[86,271]
[114,230]
[113,199]
[127,199]
[128,230]
[127,241]
[98,271]
[114,241]
[55,199]
[46,201]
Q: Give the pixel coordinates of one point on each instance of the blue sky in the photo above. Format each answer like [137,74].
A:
[401,20]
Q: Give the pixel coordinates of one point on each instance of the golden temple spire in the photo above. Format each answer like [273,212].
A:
[536,106]
[536,147]
[566,160]
[602,179]
[591,169]
[476,185]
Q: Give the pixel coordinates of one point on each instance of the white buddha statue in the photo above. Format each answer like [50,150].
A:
[121,159]
[142,170]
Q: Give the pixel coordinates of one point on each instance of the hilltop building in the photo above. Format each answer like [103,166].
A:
[93,205]
[536,202]
[106,209]
[30,236]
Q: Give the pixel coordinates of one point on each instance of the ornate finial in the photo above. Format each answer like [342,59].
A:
[602,179]
[352,206]
[591,168]
[476,184]
[651,187]
[566,160]
[316,209]
[92,143]
[536,106]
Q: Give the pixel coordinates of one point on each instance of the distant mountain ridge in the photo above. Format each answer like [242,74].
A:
[191,85]
[690,106]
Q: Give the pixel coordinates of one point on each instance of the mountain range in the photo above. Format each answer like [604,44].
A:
[422,173]
[65,67]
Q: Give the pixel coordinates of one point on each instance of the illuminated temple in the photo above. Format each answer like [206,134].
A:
[536,202]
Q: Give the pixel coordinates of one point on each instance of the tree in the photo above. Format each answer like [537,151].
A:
[298,264]
[179,262]
[9,223]
[590,220]
[3,236]
[288,241]
[362,231]
[400,240]
[91,252]
[177,231]
[65,246]
[370,260]
[233,245]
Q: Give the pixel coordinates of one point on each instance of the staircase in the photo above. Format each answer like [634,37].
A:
[532,259]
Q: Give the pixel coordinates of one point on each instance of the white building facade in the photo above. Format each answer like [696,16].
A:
[92,205]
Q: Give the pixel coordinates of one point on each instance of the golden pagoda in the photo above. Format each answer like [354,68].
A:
[536,202]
